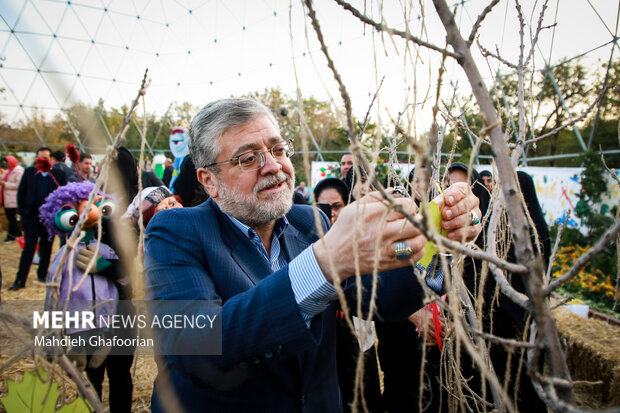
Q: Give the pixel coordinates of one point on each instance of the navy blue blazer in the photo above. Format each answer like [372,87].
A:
[271,361]
[27,204]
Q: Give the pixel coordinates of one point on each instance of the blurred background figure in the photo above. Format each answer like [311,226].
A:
[83,169]
[357,183]
[149,178]
[184,182]
[334,192]
[346,163]
[158,164]
[487,178]
[168,169]
[178,143]
[8,195]
[58,163]
[417,175]
[302,190]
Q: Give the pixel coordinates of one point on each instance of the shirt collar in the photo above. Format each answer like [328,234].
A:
[278,230]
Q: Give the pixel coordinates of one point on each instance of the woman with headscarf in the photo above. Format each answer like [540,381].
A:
[8,186]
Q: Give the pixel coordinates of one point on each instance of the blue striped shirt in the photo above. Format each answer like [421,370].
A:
[311,290]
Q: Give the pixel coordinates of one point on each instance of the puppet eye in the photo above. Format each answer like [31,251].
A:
[66,219]
[107,207]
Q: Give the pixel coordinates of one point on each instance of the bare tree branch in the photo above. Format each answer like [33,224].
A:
[487,53]
[500,340]
[611,171]
[555,247]
[355,148]
[585,258]
[383,28]
[510,190]
[85,388]
[572,122]
[83,385]
[539,28]
[517,297]
[479,20]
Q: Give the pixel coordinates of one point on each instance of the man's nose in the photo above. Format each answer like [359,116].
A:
[271,165]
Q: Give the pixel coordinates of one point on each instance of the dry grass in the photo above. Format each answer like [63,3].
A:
[593,358]
[144,369]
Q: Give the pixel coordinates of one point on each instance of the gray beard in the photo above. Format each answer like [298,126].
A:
[252,211]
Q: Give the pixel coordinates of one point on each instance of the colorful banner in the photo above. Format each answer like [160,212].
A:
[557,188]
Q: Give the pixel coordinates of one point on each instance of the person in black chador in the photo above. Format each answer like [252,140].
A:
[502,317]
[35,185]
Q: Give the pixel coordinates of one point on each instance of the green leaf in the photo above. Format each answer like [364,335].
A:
[78,405]
[28,395]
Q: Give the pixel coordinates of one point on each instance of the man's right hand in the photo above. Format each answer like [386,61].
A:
[365,229]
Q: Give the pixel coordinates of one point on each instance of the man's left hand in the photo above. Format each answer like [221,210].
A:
[456,213]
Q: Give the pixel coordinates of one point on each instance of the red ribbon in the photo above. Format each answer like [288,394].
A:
[434,308]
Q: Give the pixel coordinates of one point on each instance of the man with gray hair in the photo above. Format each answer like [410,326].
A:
[273,276]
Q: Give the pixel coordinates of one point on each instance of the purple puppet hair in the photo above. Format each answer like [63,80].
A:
[70,194]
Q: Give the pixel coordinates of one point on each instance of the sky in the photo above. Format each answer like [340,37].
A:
[58,53]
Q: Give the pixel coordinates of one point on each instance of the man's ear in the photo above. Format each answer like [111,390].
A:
[208,180]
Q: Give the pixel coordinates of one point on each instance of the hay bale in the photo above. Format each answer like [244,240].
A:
[592,355]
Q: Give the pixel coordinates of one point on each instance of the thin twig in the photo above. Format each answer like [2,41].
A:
[572,122]
[508,290]
[479,20]
[539,28]
[487,53]
[555,247]
[73,239]
[85,388]
[563,301]
[383,28]
[611,171]
[500,340]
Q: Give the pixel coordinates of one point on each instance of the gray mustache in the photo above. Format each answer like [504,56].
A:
[271,181]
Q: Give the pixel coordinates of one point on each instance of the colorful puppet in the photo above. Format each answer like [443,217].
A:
[60,213]
[96,291]
[179,141]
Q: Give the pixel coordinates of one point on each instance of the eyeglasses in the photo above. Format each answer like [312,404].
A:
[253,160]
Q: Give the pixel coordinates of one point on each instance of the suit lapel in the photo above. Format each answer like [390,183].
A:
[242,251]
[293,242]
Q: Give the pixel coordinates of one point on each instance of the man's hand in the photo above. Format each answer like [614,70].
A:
[456,215]
[365,229]
[85,255]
